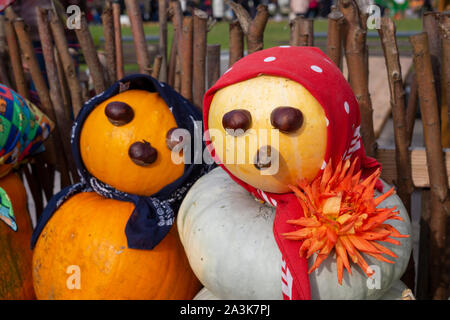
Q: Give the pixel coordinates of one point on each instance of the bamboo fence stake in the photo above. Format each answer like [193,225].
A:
[334,41]
[186,56]
[213,57]
[302,32]
[110,50]
[435,159]
[404,182]
[27,49]
[90,55]
[236,42]
[199,53]
[253,29]
[67,62]
[137,29]
[63,123]
[16,60]
[162,14]
[355,47]
[118,39]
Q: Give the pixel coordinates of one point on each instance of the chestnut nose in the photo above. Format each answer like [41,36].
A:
[263,157]
[237,119]
[142,153]
[286,119]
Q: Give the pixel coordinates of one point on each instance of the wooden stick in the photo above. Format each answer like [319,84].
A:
[65,93]
[4,74]
[27,49]
[177,20]
[431,27]
[334,41]
[355,46]
[118,40]
[162,14]
[411,110]
[16,60]
[110,50]
[236,42]
[63,123]
[253,29]
[397,93]
[302,32]
[172,62]
[156,66]
[90,55]
[67,62]
[213,57]
[186,57]
[177,80]
[137,29]
[435,158]
[199,53]
[444,26]
[423,291]
[404,176]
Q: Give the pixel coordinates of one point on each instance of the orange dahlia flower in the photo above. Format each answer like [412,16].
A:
[340,212]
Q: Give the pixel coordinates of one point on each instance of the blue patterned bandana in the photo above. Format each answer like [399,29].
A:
[153,216]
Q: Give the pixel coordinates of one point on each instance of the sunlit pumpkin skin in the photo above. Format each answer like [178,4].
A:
[298,156]
[88,231]
[228,238]
[15,254]
[104,146]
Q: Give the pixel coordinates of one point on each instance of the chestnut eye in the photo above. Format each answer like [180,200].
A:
[173,139]
[237,119]
[286,119]
[119,113]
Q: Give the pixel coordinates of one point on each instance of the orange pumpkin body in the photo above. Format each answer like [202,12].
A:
[15,253]
[88,232]
[104,146]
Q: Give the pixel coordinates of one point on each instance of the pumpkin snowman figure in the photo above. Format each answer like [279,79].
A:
[111,236]
[284,126]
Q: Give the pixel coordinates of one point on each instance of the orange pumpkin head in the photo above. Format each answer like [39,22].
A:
[82,253]
[15,254]
[123,143]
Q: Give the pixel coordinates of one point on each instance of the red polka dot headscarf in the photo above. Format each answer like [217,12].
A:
[311,68]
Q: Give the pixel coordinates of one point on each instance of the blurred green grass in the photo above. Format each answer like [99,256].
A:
[276,33]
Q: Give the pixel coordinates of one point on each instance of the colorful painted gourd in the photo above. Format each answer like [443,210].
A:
[126,158]
[308,162]
[23,129]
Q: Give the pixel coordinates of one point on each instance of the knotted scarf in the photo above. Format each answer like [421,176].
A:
[153,216]
[311,68]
